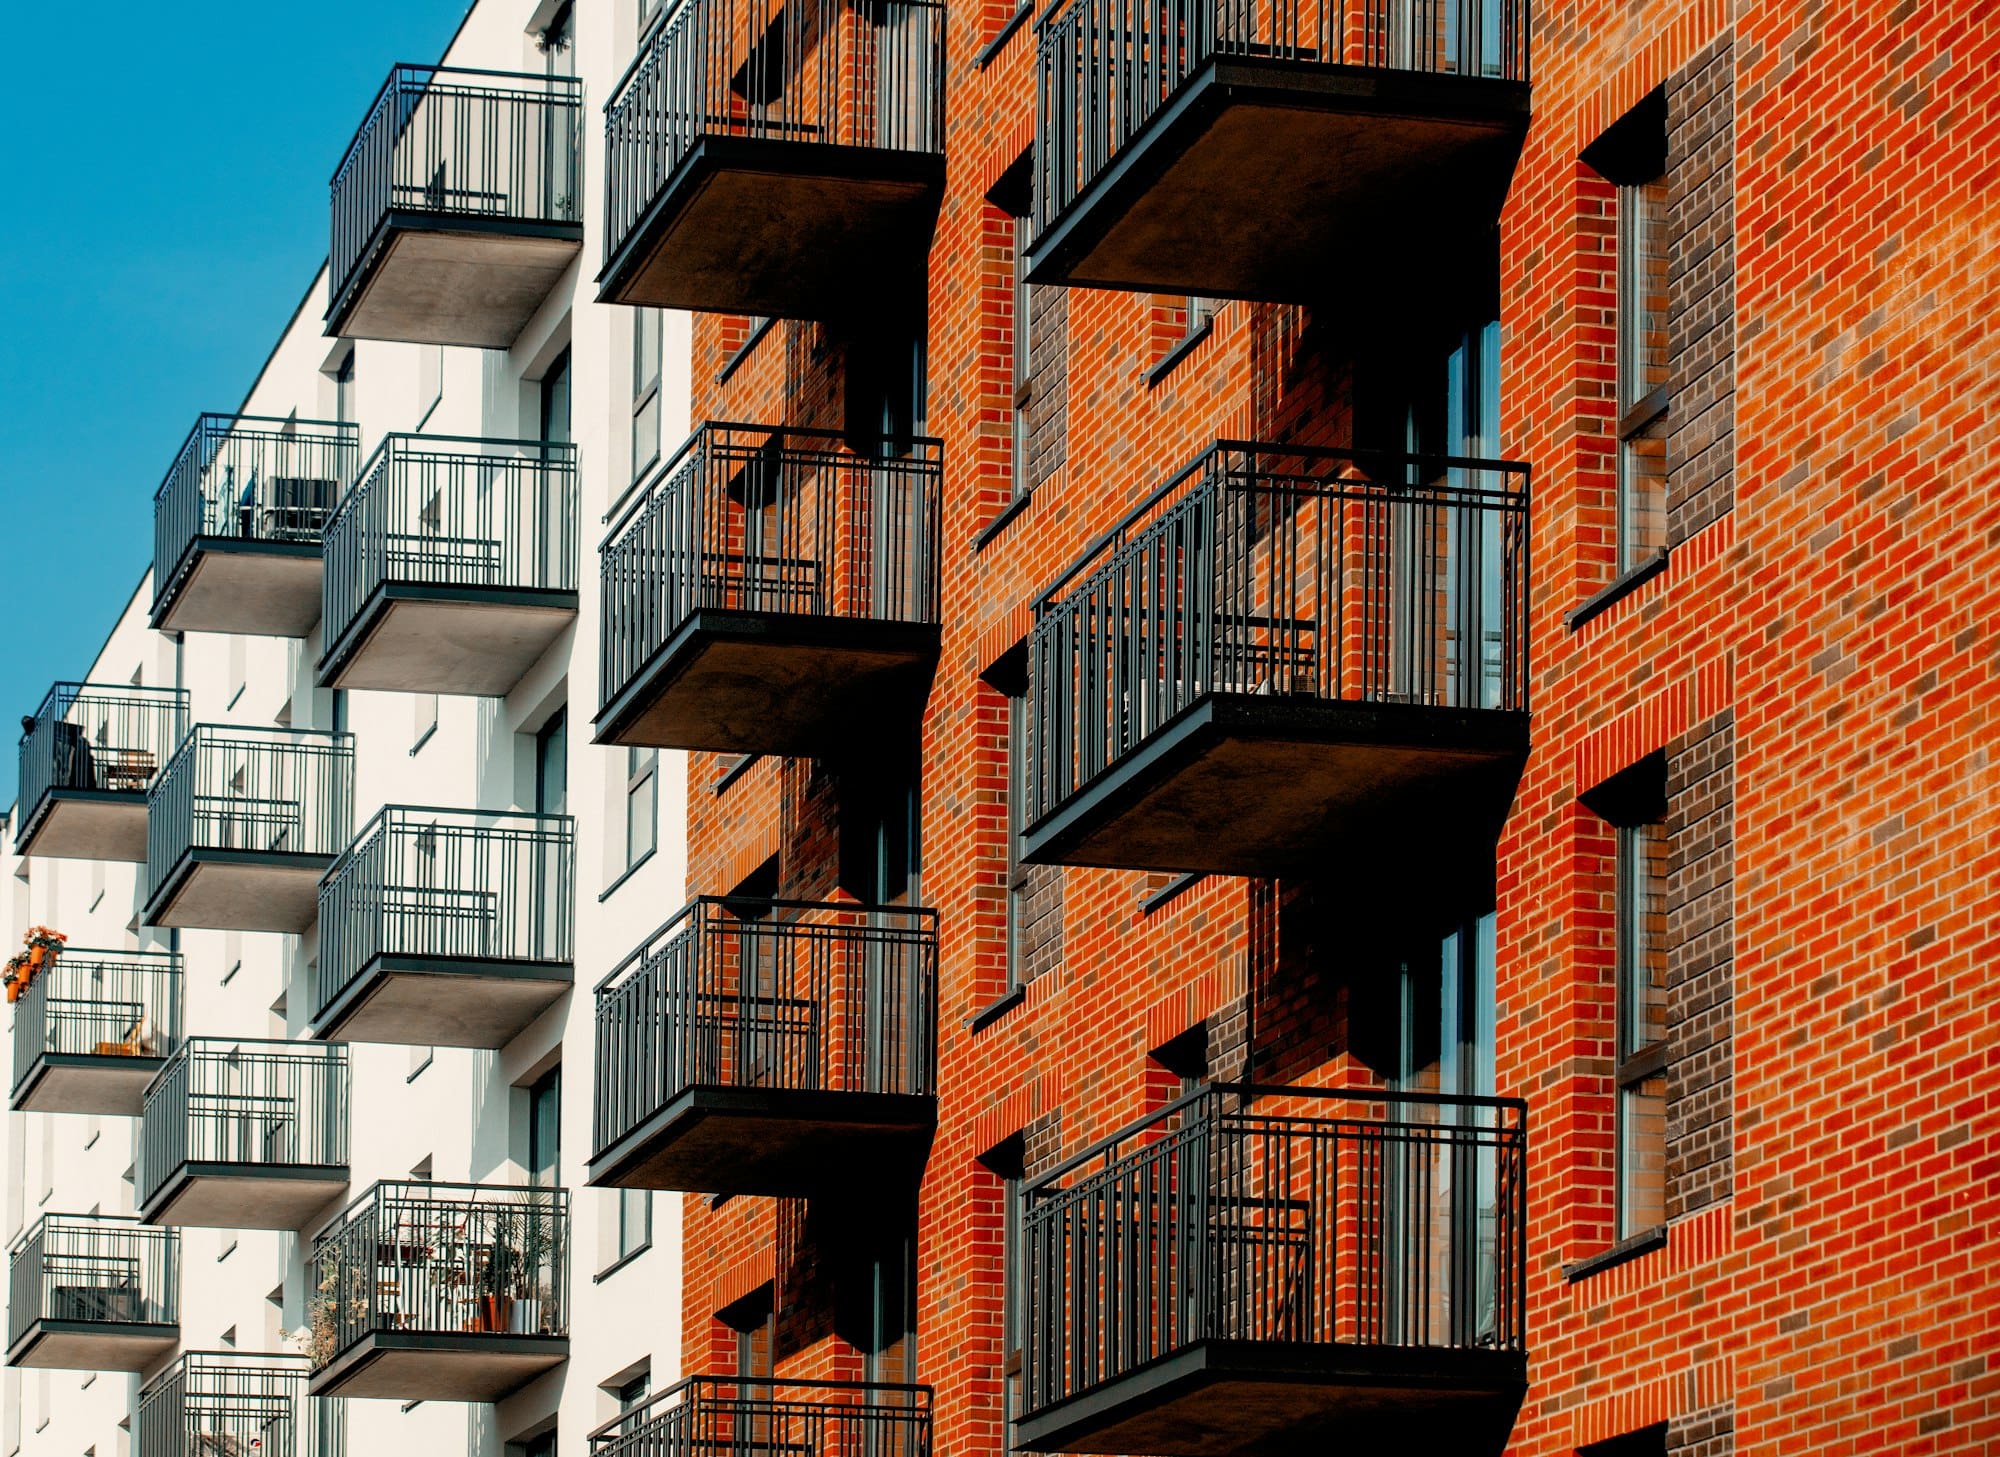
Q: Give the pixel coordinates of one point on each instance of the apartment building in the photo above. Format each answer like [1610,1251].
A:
[299,1108]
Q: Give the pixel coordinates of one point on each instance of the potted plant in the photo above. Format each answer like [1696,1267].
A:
[40,947]
[517,1254]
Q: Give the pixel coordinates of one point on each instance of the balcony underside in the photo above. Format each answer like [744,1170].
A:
[770,1142]
[251,588]
[476,641]
[438,1001]
[1264,177]
[88,824]
[769,683]
[245,1195]
[788,229]
[453,280]
[1242,784]
[1250,1398]
[239,890]
[94,1345]
[111,1085]
[440,1366]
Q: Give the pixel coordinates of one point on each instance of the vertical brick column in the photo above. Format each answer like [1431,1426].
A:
[1701,825]
[1048,382]
[1701,286]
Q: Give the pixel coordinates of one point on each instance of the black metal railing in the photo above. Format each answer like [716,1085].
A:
[699,1416]
[467,885]
[99,1004]
[1281,570]
[268,791]
[769,994]
[1321,1216]
[413,1257]
[755,518]
[829,72]
[261,1103]
[249,478]
[93,1268]
[1105,68]
[449,511]
[445,143]
[211,1403]
[98,736]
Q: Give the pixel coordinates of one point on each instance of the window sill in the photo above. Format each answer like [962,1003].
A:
[735,770]
[990,52]
[1624,587]
[731,364]
[1172,890]
[1007,513]
[1629,1248]
[620,1263]
[1179,352]
[624,875]
[994,1010]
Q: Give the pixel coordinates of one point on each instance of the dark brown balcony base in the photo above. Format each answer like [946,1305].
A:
[758,683]
[94,1345]
[442,1365]
[87,824]
[239,890]
[1243,784]
[432,281]
[770,1142]
[788,229]
[1264,177]
[111,1086]
[245,1195]
[476,641]
[248,587]
[1249,1398]
[437,1001]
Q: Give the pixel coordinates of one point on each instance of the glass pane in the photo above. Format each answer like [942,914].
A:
[1642,1155]
[1642,934]
[1642,494]
[1642,290]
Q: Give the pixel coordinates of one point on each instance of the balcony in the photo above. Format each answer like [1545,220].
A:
[243,823]
[718,1414]
[451,567]
[1288,152]
[457,207]
[440,1292]
[784,161]
[91,1293]
[244,1134]
[220,1404]
[89,756]
[93,1028]
[1284,660]
[238,521]
[771,592]
[447,928]
[769,1047]
[1275,1270]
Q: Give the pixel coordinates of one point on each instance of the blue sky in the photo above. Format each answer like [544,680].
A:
[166,200]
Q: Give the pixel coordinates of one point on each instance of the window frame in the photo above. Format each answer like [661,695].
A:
[1641,849]
[646,375]
[642,774]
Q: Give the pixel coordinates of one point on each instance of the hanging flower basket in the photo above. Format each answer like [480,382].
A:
[41,946]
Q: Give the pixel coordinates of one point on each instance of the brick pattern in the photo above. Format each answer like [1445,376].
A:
[1701,929]
[1041,928]
[1048,382]
[1701,284]
[1709,1433]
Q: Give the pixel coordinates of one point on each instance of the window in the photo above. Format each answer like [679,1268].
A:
[630,1393]
[430,381]
[555,401]
[642,803]
[552,764]
[337,716]
[1200,313]
[542,1444]
[1008,1163]
[635,1221]
[1641,903]
[558,41]
[545,1130]
[648,11]
[343,390]
[645,390]
[425,711]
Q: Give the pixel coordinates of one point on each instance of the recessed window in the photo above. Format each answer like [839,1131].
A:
[645,390]
[642,803]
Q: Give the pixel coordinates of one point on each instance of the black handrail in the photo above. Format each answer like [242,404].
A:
[99,1004]
[1289,1215]
[481,885]
[244,1101]
[451,143]
[268,791]
[1293,571]
[97,736]
[770,994]
[1106,68]
[701,1415]
[211,1402]
[93,1269]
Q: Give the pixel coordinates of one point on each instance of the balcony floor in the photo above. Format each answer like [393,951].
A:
[1242,784]
[1252,1398]
[436,1001]
[81,1082]
[240,890]
[245,1196]
[1264,177]
[432,280]
[476,641]
[787,229]
[88,824]
[770,683]
[439,1365]
[251,588]
[769,1142]
[93,1345]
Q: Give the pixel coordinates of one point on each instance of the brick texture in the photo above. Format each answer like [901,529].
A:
[1701,925]
[1701,291]
[1708,1433]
